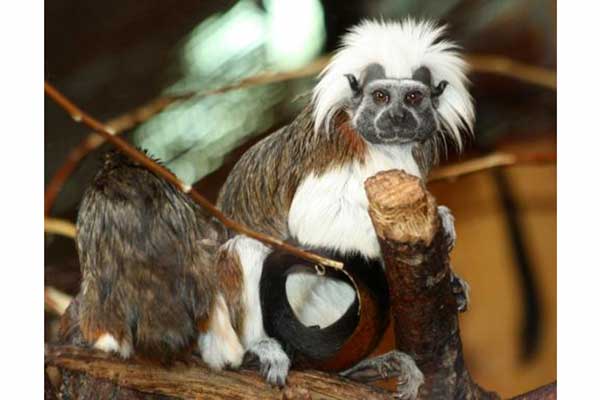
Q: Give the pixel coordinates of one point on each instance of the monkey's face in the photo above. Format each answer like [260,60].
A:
[394,111]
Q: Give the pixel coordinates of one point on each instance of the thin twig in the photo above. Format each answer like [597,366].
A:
[56,301]
[494,160]
[143,113]
[59,227]
[118,125]
[514,69]
[79,116]
[479,63]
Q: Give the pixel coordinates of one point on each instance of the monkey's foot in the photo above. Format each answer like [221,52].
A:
[448,225]
[268,357]
[108,343]
[461,291]
[390,365]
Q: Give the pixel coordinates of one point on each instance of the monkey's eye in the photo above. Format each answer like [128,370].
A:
[381,97]
[413,98]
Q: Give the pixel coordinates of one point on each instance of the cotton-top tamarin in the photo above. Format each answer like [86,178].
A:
[392,97]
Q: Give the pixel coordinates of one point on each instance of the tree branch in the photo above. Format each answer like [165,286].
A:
[79,115]
[415,249]
[195,381]
[424,310]
[494,160]
[505,66]
[143,113]
[60,227]
[56,301]
[479,63]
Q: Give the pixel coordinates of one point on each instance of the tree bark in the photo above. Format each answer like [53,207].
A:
[546,392]
[192,380]
[424,311]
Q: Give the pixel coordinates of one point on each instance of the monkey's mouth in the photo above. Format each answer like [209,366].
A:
[402,137]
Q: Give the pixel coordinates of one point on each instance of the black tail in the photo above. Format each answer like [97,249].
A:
[532,312]
[315,345]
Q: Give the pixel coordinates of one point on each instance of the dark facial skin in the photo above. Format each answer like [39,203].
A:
[394,111]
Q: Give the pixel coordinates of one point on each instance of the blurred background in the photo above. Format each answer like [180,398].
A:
[124,61]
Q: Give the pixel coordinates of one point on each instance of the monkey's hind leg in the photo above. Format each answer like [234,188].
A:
[219,346]
[394,364]
[103,324]
[262,351]
[268,357]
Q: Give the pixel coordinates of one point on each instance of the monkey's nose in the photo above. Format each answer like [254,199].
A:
[399,116]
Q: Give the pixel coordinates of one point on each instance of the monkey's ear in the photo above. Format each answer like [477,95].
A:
[439,89]
[356,89]
[423,75]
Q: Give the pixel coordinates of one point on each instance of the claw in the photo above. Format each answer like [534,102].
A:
[447,220]
[273,363]
[392,364]
[461,290]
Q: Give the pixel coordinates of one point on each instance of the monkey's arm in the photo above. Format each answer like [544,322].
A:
[259,190]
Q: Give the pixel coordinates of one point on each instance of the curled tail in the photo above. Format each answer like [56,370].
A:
[146,254]
[344,342]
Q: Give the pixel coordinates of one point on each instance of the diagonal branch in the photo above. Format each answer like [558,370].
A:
[479,63]
[143,113]
[110,135]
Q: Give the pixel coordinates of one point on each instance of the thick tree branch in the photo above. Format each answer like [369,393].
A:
[424,310]
[194,381]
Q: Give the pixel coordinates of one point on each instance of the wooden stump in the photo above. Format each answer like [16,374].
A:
[424,311]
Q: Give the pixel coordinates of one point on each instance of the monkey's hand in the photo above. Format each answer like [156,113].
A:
[447,220]
[268,357]
[460,287]
[394,364]
[461,291]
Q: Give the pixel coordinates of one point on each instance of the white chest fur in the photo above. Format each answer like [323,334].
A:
[331,210]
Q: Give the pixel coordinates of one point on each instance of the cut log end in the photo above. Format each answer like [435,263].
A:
[401,208]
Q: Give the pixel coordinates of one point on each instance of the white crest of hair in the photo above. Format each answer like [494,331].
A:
[400,48]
